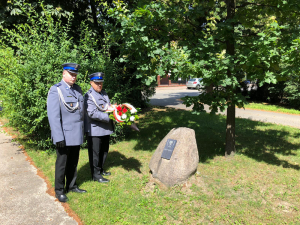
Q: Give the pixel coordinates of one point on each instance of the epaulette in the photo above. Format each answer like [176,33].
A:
[86,95]
[57,85]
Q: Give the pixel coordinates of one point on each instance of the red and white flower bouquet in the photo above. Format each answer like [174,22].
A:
[124,114]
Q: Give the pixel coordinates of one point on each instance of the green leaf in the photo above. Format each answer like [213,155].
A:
[145,38]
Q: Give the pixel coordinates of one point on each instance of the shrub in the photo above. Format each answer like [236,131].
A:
[272,93]
[31,63]
[292,93]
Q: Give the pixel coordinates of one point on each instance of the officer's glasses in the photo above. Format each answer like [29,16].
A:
[73,74]
[98,83]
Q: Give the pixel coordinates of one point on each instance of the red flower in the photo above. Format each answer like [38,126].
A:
[119,108]
[120,113]
[124,110]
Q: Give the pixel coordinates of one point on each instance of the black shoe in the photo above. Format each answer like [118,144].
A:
[77,190]
[101,180]
[62,197]
[105,173]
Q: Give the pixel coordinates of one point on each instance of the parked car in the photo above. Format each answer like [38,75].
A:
[194,83]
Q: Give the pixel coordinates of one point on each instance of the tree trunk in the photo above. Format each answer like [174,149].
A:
[230,131]
[230,121]
[94,12]
[209,89]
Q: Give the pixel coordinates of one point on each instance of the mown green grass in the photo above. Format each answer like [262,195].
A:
[273,108]
[259,185]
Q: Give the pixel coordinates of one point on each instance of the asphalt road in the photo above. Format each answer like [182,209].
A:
[170,97]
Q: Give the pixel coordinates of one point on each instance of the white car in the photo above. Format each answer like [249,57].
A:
[194,83]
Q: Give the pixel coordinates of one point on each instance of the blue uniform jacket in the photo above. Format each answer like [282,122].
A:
[97,123]
[66,125]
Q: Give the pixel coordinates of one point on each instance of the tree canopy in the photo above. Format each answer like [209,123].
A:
[223,42]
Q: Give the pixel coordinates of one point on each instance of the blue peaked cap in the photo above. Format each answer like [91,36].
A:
[97,77]
[71,67]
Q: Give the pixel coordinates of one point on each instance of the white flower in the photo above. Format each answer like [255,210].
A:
[132,118]
[124,116]
[133,111]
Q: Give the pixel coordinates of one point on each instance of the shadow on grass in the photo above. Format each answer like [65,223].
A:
[114,159]
[260,141]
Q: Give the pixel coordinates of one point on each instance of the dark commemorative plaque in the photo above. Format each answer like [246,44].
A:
[168,150]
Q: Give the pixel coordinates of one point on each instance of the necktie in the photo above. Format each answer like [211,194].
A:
[73,91]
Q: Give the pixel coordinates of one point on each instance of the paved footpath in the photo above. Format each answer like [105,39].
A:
[170,97]
[23,197]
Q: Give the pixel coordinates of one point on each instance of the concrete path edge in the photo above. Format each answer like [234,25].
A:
[27,196]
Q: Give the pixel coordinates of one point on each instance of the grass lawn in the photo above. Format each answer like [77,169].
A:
[270,107]
[259,185]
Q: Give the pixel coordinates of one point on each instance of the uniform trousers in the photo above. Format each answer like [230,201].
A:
[66,167]
[98,147]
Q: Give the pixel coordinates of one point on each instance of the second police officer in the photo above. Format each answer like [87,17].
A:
[65,109]
[98,126]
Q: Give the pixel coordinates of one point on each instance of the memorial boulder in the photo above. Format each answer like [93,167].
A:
[176,157]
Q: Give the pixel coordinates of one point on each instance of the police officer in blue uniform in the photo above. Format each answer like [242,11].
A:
[98,126]
[65,109]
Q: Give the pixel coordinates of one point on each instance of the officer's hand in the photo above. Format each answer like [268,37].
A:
[60,144]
